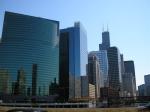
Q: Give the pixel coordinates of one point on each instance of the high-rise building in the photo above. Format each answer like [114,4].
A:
[105,41]
[147,84]
[122,64]
[73,60]
[103,59]
[128,85]
[129,69]
[141,90]
[28,40]
[84,87]
[114,70]
[103,64]
[122,73]
[94,73]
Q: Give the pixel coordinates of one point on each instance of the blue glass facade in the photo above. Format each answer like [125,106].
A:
[76,39]
[102,55]
[103,62]
[28,41]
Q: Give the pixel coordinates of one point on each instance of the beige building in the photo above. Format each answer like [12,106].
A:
[92,91]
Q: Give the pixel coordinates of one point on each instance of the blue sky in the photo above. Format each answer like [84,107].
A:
[128,21]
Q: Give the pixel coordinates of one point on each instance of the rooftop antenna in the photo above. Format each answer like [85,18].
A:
[107,28]
[103,28]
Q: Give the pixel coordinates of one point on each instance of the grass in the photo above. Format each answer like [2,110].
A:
[94,110]
[4,109]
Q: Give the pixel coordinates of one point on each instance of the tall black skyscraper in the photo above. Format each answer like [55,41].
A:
[114,70]
[105,41]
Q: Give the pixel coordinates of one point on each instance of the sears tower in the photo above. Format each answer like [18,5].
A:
[103,59]
[105,41]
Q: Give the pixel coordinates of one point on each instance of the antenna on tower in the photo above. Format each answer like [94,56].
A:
[103,28]
[107,28]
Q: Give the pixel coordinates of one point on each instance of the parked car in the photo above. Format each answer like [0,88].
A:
[144,107]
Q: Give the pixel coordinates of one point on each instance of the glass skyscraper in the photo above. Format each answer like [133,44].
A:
[114,70]
[73,59]
[142,90]
[130,69]
[94,73]
[30,44]
[147,84]
[103,64]
[102,55]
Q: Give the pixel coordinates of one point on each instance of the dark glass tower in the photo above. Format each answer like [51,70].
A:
[73,60]
[114,70]
[30,41]
[105,41]
[142,90]
[147,84]
[130,69]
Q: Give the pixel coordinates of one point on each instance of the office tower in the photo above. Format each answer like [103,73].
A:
[128,85]
[73,60]
[28,40]
[84,87]
[103,59]
[147,84]
[103,62]
[122,64]
[114,71]
[129,69]
[141,90]
[105,41]
[4,81]
[122,73]
[94,73]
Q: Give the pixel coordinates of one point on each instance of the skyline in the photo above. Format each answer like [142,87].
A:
[128,23]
